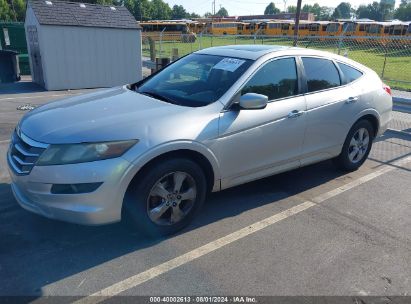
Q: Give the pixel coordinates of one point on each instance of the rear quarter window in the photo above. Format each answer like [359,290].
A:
[351,74]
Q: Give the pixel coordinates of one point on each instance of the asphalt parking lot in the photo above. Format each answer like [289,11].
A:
[311,231]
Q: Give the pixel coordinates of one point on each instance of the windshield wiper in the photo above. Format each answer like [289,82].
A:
[158,96]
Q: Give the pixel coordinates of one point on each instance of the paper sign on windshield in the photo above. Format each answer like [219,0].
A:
[229,64]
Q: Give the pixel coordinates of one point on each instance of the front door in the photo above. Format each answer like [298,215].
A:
[258,143]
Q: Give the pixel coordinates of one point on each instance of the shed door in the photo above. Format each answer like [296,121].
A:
[35,55]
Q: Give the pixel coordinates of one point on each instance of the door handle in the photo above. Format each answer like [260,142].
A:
[295,113]
[351,100]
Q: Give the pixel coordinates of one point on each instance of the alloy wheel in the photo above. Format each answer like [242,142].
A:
[358,145]
[171,198]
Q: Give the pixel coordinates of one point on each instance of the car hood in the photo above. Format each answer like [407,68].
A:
[111,114]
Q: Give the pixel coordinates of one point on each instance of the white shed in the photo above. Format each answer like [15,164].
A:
[74,45]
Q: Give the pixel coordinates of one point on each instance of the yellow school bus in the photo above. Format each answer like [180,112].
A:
[278,28]
[358,29]
[197,27]
[167,31]
[242,28]
[254,27]
[303,28]
[395,28]
[224,28]
[330,28]
[349,28]
[408,33]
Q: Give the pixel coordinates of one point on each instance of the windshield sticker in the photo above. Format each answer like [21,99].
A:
[229,64]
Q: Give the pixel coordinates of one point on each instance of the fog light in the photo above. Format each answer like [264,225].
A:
[74,188]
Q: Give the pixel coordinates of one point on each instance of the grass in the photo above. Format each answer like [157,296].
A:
[371,53]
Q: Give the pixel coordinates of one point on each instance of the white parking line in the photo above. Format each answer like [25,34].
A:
[154,272]
[5,141]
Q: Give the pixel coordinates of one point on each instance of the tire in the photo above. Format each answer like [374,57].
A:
[156,212]
[348,160]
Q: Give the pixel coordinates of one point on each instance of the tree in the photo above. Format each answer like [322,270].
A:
[222,12]
[292,9]
[140,9]
[342,11]
[160,10]
[306,8]
[194,15]
[325,13]
[5,13]
[19,9]
[403,12]
[387,9]
[178,12]
[271,9]
[105,2]
[315,9]
[384,10]
[370,11]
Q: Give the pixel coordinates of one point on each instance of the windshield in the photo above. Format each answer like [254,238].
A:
[195,80]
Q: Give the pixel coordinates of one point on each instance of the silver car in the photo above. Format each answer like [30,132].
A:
[149,152]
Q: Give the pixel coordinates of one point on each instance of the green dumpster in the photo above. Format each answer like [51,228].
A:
[13,37]
[9,68]
[24,64]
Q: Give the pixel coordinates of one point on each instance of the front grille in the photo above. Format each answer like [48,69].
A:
[23,153]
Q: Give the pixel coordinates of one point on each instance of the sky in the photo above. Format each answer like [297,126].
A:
[254,7]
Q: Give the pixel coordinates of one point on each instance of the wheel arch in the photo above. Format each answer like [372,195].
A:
[197,152]
[373,117]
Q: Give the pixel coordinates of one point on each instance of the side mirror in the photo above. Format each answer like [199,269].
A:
[253,101]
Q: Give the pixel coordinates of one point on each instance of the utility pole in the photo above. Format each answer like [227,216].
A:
[297,22]
[285,6]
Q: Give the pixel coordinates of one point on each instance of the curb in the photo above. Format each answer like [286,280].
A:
[406,134]
[402,100]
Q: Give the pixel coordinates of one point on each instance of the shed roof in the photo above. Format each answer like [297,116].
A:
[51,12]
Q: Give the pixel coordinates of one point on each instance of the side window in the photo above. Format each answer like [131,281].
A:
[350,73]
[321,74]
[276,79]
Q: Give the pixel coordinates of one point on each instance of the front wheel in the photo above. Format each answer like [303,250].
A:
[356,147]
[166,197]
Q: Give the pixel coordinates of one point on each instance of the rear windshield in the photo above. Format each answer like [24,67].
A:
[195,80]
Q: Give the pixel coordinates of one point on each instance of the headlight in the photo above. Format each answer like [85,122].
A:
[85,152]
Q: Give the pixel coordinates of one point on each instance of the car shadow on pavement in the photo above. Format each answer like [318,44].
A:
[387,156]
[20,87]
[36,251]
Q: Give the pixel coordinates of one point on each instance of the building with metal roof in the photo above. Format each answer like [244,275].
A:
[79,45]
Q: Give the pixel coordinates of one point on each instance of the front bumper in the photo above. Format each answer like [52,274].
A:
[102,206]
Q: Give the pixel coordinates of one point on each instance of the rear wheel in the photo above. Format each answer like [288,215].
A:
[166,197]
[356,147]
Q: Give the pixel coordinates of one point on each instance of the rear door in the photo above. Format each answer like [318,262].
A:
[331,104]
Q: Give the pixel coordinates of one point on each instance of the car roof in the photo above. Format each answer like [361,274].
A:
[255,52]
[252,52]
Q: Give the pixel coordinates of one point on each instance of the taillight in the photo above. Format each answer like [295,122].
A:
[386,88]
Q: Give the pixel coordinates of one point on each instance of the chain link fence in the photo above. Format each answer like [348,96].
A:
[390,57]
